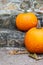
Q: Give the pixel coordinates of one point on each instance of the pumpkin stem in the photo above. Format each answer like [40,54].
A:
[39,24]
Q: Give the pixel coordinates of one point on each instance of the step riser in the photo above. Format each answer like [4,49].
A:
[11,38]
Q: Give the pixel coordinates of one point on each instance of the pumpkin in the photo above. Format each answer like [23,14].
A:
[25,21]
[34,40]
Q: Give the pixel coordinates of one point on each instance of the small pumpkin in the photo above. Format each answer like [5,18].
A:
[25,21]
[34,40]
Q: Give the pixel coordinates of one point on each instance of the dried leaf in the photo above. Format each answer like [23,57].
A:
[35,56]
[23,52]
[13,52]
[17,52]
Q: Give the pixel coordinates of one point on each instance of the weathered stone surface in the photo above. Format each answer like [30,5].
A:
[24,59]
[11,38]
[7,22]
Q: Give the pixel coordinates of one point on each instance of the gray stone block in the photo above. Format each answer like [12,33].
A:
[11,38]
[7,22]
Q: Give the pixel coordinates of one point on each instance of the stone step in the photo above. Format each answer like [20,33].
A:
[7,21]
[11,38]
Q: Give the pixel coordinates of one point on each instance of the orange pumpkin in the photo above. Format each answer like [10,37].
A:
[25,21]
[34,40]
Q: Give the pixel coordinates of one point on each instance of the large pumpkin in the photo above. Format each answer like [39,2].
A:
[25,21]
[34,40]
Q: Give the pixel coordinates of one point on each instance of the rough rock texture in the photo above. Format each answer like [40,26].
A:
[40,1]
[11,38]
[24,59]
[7,21]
